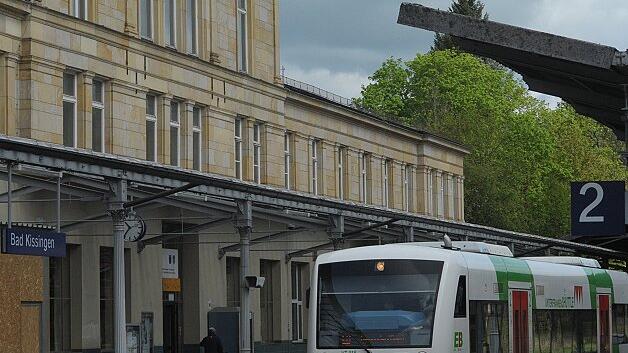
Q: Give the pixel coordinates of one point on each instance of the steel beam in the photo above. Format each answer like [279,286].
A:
[25,190]
[50,155]
[159,195]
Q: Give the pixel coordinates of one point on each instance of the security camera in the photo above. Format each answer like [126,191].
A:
[255,281]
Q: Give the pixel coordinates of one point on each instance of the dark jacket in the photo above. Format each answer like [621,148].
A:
[212,344]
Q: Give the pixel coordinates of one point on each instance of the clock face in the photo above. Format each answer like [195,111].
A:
[135,227]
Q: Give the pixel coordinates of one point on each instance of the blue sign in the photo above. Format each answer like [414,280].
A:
[33,241]
[597,208]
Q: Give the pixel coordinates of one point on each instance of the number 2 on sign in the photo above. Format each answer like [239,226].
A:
[584,216]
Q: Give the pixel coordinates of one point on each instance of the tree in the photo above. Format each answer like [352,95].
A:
[523,154]
[472,8]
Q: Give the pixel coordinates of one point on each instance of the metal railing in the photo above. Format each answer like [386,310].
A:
[319,92]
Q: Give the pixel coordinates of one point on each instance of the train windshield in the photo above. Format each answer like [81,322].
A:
[377,303]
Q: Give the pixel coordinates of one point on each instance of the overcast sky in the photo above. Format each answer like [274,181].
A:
[337,44]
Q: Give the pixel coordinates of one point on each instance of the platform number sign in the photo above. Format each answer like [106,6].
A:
[598,208]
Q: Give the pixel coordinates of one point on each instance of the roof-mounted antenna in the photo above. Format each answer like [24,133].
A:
[447,244]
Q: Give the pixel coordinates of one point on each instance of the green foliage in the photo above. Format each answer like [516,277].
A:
[523,154]
[472,8]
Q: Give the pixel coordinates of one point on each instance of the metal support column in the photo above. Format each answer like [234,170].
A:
[244,224]
[59,202]
[624,118]
[118,214]
[336,230]
[9,194]
[408,234]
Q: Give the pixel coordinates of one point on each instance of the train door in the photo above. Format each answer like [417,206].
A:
[604,323]
[520,321]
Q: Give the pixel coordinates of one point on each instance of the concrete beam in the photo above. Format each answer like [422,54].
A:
[504,35]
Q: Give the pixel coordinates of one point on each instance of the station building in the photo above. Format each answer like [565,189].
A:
[192,84]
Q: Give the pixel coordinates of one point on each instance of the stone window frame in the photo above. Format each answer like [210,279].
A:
[242,35]
[70,99]
[257,152]
[191,27]
[237,156]
[287,159]
[175,131]
[170,32]
[150,19]
[363,167]
[386,178]
[197,137]
[315,165]
[151,117]
[98,104]
[341,171]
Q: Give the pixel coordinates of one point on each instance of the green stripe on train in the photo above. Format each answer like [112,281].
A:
[598,279]
[512,270]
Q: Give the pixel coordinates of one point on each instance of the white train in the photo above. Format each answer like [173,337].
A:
[473,298]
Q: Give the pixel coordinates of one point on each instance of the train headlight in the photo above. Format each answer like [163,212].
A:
[380,266]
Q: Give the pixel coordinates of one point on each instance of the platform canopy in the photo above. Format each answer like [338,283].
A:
[589,76]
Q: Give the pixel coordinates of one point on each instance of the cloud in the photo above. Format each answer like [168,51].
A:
[345,84]
[339,43]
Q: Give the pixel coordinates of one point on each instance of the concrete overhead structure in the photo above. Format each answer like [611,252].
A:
[591,77]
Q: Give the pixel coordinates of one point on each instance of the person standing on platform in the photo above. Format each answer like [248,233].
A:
[211,343]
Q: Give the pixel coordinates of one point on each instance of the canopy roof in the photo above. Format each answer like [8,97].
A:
[586,75]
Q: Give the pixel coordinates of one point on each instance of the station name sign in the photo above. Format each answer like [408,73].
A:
[33,241]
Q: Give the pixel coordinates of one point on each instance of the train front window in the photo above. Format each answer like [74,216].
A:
[377,303]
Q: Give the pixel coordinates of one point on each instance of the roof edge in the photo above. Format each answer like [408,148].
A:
[422,134]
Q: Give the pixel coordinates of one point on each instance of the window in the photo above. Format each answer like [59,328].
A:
[363,177]
[488,327]
[354,298]
[456,198]
[287,159]
[196,138]
[80,9]
[233,282]
[341,172]
[60,304]
[460,309]
[441,195]
[98,116]
[430,192]
[620,323]
[267,300]
[170,23]
[146,19]
[238,148]
[385,183]
[175,126]
[565,331]
[69,109]
[297,302]
[242,33]
[151,128]
[406,175]
[450,195]
[257,153]
[314,177]
[191,41]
